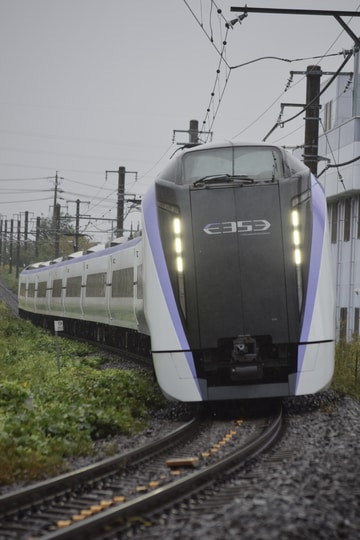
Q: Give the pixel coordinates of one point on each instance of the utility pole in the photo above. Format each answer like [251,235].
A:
[57,230]
[18,248]
[11,246]
[120,198]
[77,225]
[37,236]
[26,230]
[193,133]
[77,222]
[56,217]
[5,241]
[313,76]
[1,240]
[56,190]
[120,203]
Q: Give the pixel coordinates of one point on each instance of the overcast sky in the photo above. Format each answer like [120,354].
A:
[91,85]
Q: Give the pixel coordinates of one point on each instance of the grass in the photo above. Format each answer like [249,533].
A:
[347,368]
[46,416]
[9,279]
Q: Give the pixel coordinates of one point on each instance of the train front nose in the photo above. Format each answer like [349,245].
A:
[239,264]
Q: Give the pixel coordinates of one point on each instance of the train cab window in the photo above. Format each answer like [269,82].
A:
[257,163]
[207,163]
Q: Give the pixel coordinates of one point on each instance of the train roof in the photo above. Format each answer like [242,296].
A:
[96,251]
[173,171]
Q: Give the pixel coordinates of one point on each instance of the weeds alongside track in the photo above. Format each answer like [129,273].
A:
[46,416]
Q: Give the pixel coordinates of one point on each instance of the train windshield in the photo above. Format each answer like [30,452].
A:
[258,163]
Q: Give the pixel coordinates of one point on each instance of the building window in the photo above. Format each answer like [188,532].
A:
[347,220]
[334,222]
[358,217]
[356,321]
[328,116]
[343,322]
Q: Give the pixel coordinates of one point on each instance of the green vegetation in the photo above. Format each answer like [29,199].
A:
[10,280]
[46,416]
[347,368]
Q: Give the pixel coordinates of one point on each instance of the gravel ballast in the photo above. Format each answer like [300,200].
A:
[312,493]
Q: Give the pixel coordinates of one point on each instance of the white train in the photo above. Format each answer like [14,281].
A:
[229,287]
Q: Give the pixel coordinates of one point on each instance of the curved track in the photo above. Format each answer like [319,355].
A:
[92,501]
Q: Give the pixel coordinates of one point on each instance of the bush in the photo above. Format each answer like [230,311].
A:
[347,368]
[46,416]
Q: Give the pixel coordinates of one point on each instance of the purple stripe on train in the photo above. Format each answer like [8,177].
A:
[319,214]
[152,231]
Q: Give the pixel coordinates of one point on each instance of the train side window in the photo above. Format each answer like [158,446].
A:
[57,288]
[73,287]
[41,291]
[31,290]
[96,285]
[123,283]
[140,291]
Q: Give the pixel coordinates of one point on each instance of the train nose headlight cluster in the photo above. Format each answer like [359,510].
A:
[178,247]
[179,261]
[296,237]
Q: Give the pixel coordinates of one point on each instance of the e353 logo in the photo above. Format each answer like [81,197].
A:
[250,226]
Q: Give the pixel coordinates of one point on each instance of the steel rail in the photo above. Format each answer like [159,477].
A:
[100,525]
[35,494]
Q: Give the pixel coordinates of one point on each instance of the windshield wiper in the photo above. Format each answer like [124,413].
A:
[222,178]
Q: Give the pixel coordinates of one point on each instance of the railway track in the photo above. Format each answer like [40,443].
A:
[101,500]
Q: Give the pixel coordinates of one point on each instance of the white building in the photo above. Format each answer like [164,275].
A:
[339,142]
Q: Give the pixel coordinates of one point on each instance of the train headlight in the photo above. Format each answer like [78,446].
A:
[297,257]
[177,226]
[179,261]
[178,247]
[179,264]
[296,236]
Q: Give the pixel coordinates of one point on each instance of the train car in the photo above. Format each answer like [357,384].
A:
[230,280]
